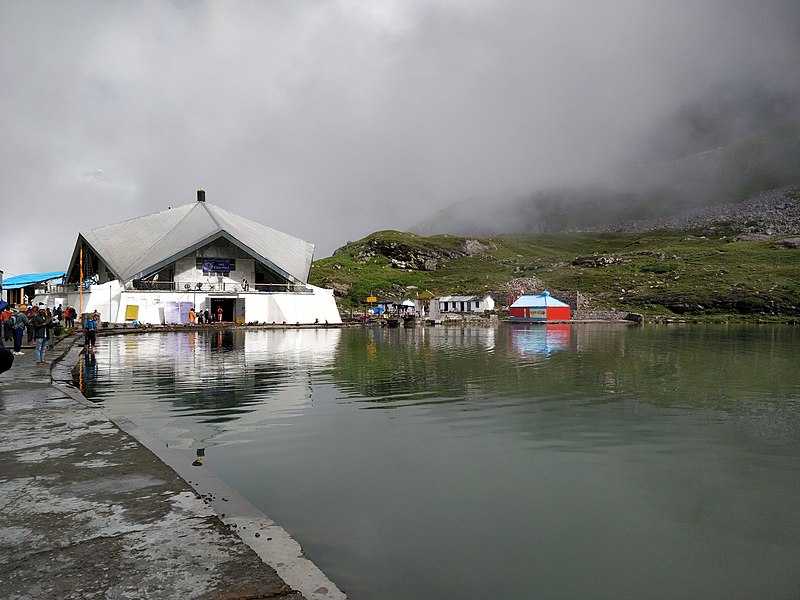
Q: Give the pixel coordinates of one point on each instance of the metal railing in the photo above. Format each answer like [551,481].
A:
[64,288]
[141,285]
[220,287]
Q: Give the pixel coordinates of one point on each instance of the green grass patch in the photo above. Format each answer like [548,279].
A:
[655,273]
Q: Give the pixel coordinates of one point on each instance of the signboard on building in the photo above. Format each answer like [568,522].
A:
[537,313]
[217,266]
[372,299]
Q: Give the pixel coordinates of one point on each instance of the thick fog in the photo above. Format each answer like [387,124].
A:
[332,119]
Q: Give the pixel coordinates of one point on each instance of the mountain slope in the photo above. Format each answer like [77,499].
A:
[718,267]
[656,190]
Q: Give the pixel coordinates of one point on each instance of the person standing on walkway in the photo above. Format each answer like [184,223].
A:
[51,321]
[192,316]
[207,317]
[40,324]
[219,314]
[20,323]
[90,331]
[29,314]
[7,332]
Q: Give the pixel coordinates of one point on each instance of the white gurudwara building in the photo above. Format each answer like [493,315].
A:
[154,268]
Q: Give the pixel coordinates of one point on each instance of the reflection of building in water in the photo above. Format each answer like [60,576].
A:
[214,379]
[457,337]
[441,337]
[541,339]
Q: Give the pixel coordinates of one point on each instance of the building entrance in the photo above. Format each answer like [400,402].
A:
[227,305]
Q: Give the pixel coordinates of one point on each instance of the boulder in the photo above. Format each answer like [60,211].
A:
[793,243]
[596,260]
[472,247]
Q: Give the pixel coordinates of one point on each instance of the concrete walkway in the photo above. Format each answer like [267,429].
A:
[88,512]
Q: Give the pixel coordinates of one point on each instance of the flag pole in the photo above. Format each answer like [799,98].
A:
[80,284]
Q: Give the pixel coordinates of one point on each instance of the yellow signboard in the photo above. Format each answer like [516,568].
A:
[131,312]
[372,299]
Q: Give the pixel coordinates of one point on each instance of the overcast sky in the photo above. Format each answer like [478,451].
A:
[330,119]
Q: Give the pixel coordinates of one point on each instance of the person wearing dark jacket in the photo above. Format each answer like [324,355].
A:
[20,323]
[40,324]
[6,358]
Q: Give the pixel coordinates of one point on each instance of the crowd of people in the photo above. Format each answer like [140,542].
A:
[40,323]
[204,317]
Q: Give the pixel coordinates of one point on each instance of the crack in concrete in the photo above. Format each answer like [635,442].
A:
[64,547]
[19,495]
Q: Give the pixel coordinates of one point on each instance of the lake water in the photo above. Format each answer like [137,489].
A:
[518,462]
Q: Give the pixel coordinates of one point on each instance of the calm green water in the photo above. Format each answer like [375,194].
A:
[522,462]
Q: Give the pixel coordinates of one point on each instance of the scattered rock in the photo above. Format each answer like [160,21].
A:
[473,247]
[752,237]
[773,212]
[340,289]
[793,243]
[596,260]
[522,285]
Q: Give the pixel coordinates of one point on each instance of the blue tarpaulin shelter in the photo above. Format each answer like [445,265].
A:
[28,279]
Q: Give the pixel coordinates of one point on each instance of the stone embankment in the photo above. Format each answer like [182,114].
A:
[87,511]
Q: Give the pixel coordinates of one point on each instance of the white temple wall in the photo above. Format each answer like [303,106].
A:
[292,308]
[111,301]
[103,298]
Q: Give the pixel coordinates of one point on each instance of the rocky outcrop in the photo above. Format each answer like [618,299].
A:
[793,243]
[473,247]
[340,289]
[596,260]
[407,256]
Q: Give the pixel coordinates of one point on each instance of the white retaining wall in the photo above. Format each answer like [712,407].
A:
[110,301]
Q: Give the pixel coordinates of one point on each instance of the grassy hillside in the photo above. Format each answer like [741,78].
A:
[657,273]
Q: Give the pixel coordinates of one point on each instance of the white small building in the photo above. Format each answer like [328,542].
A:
[465,304]
[154,268]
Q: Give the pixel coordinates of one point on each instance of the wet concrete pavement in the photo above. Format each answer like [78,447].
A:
[86,511]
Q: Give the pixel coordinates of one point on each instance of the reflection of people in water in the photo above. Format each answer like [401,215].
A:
[227,340]
[89,371]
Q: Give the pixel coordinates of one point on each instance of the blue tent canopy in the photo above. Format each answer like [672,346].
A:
[20,281]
